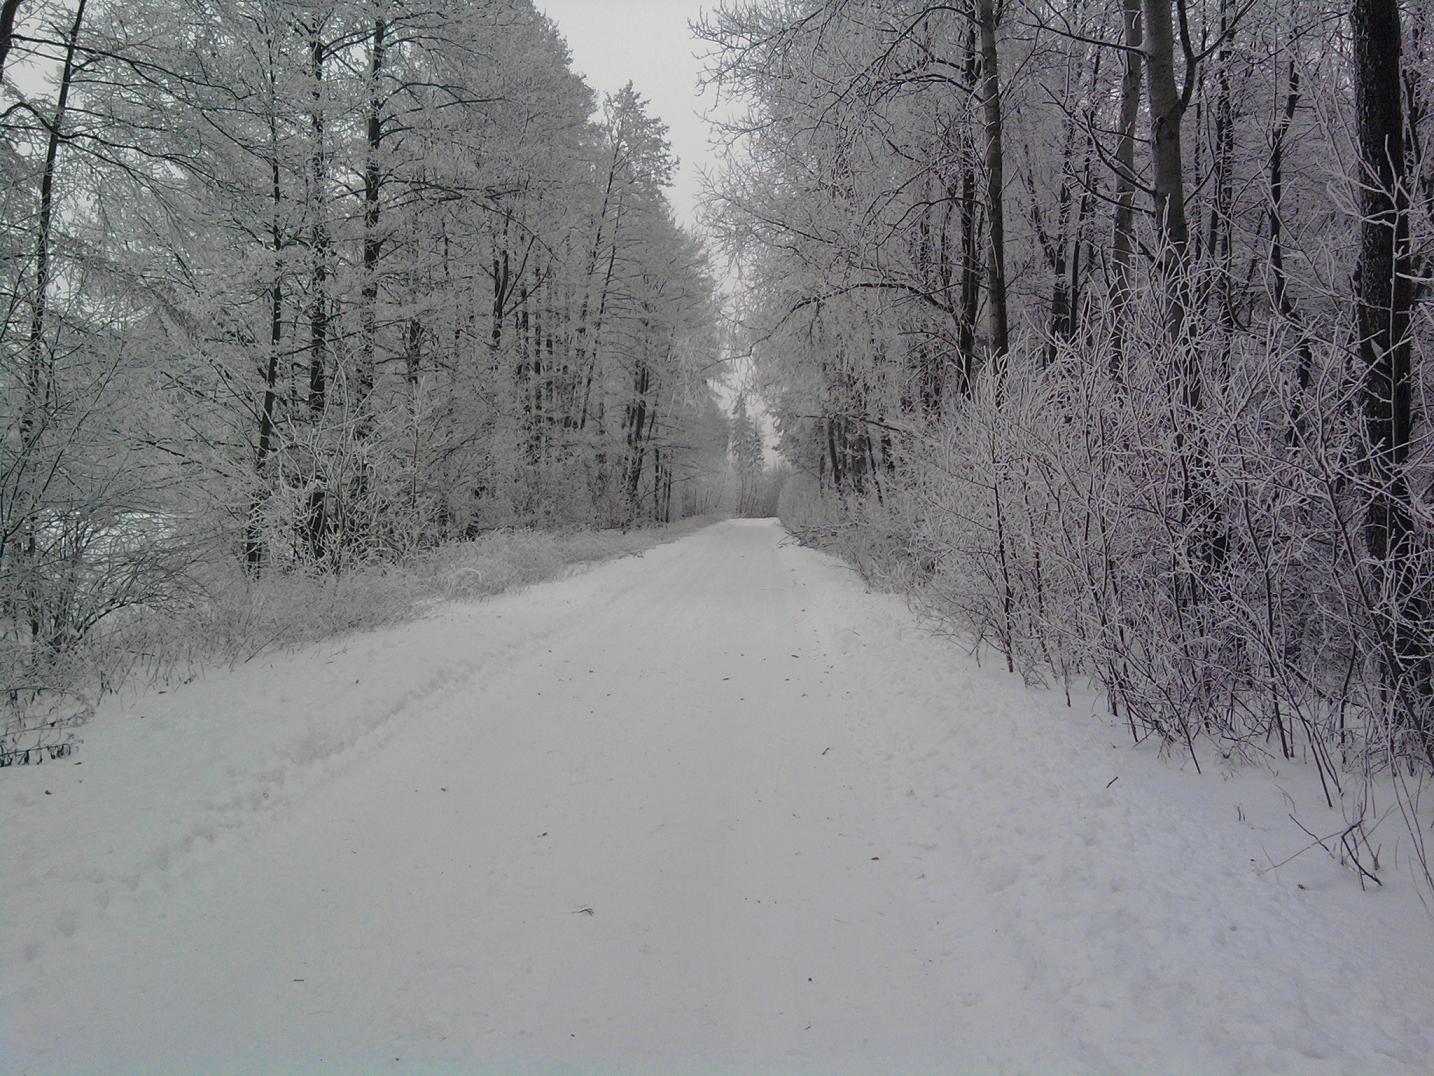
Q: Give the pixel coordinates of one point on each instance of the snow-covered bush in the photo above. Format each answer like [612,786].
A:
[1197,553]
[233,616]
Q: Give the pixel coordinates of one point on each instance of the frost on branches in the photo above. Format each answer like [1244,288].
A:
[1105,328]
[307,287]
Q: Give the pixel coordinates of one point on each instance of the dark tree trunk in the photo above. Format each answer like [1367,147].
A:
[38,364]
[969,301]
[1123,241]
[316,523]
[253,541]
[637,432]
[501,274]
[995,180]
[8,13]
[372,240]
[1384,298]
[39,373]
[1219,240]
[1283,302]
[318,300]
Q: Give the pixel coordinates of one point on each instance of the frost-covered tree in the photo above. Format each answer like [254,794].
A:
[1091,313]
[303,284]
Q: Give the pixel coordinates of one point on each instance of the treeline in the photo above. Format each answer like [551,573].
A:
[316,283]
[1112,319]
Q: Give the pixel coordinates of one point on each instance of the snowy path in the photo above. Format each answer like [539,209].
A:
[714,808]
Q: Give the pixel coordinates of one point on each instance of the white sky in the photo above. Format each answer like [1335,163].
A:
[648,42]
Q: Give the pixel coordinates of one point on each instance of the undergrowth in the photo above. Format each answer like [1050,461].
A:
[233,617]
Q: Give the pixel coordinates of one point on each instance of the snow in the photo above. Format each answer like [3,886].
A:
[715,807]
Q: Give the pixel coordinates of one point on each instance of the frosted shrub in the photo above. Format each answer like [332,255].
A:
[233,616]
[1199,557]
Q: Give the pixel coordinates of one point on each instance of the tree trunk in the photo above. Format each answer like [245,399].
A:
[253,541]
[1123,241]
[316,522]
[1219,242]
[1167,106]
[8,13]
[39,373]
[1383,297]
[318,300]
[995,180]
[372,241]
[38,366]
[1283,302]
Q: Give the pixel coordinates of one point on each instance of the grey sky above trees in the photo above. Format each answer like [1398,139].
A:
[648,43]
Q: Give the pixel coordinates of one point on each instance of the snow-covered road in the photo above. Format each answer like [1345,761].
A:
[715,808]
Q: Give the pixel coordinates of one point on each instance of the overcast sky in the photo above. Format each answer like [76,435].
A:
[648,42]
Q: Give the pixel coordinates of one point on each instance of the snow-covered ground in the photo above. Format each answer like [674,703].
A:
[714,808]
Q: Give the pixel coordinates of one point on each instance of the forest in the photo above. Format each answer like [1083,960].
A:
[1103,328]
[298,289]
